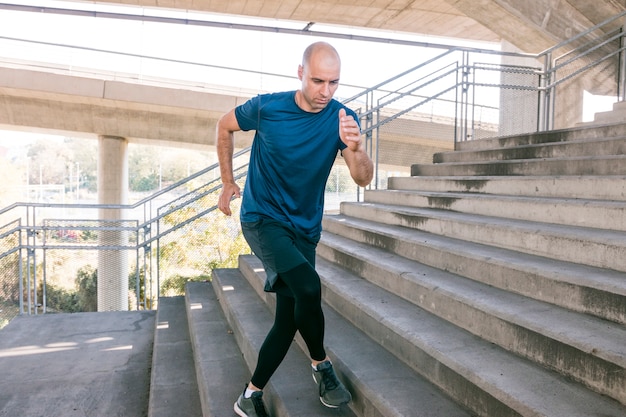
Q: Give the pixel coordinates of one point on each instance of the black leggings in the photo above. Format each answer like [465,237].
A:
[302,312]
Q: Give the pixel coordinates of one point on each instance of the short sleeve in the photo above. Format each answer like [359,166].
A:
[247,114]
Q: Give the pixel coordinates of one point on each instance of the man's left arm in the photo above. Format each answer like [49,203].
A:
[359,163]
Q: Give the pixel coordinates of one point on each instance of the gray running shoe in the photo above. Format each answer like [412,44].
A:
[332,392]
[251,407]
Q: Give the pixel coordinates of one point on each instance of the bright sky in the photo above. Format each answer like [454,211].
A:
[363,63]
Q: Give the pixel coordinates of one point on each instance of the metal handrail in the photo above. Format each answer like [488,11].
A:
[580,35]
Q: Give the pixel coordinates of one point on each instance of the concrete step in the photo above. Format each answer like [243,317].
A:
[382,385]
[594,165]
[610,187]
[589,290]
[575,212]
[478,374]
[551,336]
[173,384]
[76,364]
[291,391]
[616,115]
[587,148]
[220,369]
[583,132]
[587,246]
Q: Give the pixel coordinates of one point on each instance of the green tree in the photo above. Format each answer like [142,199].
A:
[143,168]
[87,288]
[59,299]
[208,242]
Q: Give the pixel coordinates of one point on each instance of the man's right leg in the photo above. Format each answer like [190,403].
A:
[277,341]
[304,283]
[272,353]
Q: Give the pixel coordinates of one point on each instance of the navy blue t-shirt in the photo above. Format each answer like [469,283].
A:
[292,154]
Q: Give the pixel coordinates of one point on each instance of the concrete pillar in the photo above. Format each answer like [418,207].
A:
[519,108]
[113,266]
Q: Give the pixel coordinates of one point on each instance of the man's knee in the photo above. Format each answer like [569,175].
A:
[303,281]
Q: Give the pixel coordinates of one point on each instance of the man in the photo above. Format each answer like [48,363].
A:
[298,134]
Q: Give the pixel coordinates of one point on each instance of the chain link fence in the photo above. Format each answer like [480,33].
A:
[65,258]
[81,263]
[459,95]
[10,271]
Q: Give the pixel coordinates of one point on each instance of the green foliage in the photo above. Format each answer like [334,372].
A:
[148,182]
[143,169]
[210,241]
[89,235]
[59,299]
[9,270]
[87,288]
[175,285]
[142,298]
[83,298]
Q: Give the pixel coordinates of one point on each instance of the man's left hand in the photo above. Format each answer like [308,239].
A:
[349,131]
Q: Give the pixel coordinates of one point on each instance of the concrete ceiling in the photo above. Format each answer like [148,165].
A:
[530,25]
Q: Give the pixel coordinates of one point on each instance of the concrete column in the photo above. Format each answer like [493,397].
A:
[113,266]
[518,107]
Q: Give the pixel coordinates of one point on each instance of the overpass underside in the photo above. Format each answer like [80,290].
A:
[91,107]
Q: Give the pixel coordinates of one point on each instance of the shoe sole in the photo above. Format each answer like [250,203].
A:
[239,411]
[327,404]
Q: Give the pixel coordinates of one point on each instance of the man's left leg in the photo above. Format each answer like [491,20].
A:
[305,285]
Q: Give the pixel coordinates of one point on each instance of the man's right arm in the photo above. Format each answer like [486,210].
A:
[226,125]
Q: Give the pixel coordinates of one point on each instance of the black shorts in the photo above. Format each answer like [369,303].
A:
[279,246]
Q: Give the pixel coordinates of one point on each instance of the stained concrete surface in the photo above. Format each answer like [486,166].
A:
[76,365]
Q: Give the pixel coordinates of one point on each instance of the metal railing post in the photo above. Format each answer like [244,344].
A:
[621,93]
[20,268]
[544,93]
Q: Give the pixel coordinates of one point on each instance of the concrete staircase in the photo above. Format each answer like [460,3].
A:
[490,283]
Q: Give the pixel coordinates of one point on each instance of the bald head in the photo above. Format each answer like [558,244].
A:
[319,73]
[321,51]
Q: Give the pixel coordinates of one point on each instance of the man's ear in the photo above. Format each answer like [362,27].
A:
[300,71]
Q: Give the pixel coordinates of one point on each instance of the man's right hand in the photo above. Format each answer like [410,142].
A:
[229,190]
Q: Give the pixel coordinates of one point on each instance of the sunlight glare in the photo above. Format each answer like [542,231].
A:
[35,350]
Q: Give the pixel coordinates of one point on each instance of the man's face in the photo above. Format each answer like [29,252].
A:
[320,79]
